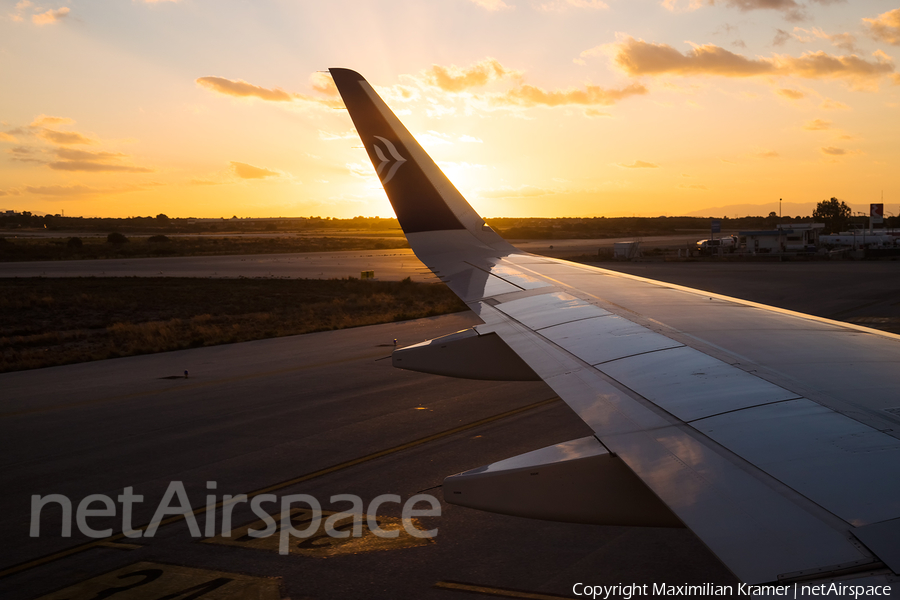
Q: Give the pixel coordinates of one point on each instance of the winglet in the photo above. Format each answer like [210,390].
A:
[422,196]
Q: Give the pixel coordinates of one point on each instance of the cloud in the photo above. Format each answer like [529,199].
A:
[829,104]
[92,162]
[692,186]
[51,16]
[245,171]
[591,95]
[639,164]
[817,125]
[95,167]
[841,40]
[790,94]
[70,154]
[64,138]
[323,83]
[243,89]
[60,190]
[637,57]
[491,5]
[459,79]
[791,10]
[836,153]
[767,154]
[5,137]
[46,120]
[885,27]
[781,36]
[24,154]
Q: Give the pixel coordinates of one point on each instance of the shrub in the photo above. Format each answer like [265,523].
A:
[74,242]
[116,238]
[157,239]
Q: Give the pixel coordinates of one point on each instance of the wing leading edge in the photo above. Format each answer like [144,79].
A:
[780,477]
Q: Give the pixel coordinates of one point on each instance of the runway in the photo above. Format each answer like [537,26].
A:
[295,412]
[392,265]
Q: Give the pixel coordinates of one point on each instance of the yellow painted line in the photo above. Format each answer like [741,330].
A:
[326,471]
[120,546]
[495,591]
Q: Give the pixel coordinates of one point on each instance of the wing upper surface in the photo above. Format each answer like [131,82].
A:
[765,431]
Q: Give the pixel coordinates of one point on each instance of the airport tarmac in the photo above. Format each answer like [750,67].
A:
[318,414]
[326,414]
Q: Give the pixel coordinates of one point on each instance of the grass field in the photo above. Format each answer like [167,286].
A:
[47,322]
[41,248]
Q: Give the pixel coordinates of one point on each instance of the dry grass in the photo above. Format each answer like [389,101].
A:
[37,248]
[46,322]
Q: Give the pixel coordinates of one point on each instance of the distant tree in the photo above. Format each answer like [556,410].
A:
[772,215]
[834,213]
[116,238]
[162,219]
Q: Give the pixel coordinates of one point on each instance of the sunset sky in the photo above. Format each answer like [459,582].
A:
[532,107]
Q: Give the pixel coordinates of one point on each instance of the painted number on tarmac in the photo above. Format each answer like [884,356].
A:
[321,545]
[155,581]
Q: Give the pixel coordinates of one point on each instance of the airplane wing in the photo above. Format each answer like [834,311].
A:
[771,434]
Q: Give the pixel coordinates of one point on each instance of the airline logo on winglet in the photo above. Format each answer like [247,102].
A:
[394,157]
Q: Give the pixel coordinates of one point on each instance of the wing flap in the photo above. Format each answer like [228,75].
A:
[576,482]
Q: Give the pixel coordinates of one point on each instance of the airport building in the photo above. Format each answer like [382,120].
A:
[788,237]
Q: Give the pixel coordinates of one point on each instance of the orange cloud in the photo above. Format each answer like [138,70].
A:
[591,95]
[51,16]
[92,162]
[64,138]
[458,79]
[45,120]
[790,94]
[639,164]
[323,83]
[886,27]
[60,190]
[70,154]
[5,137]
[245,171]
[95,167]
[841,40]
[243,89]
[817,125]
[637,57]
[833,151]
